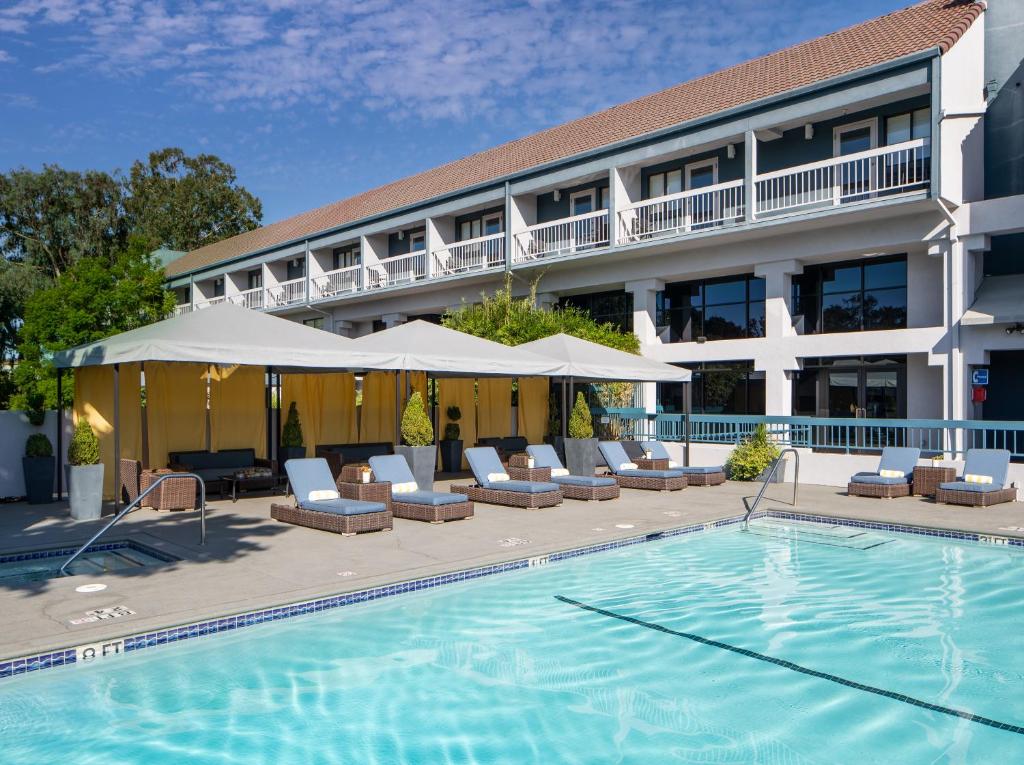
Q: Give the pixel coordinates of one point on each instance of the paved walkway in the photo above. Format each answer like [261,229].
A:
[251,561]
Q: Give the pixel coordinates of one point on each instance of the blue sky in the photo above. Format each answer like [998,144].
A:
[316,101]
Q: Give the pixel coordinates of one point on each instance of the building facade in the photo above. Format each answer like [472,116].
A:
[833,230]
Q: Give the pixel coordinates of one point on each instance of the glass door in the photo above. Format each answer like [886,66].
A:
[854,179]
[843,393]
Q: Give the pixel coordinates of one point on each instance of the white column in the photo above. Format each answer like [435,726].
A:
[623,189]
[778,386]
[522,213]
[546,300]
[778,290]
[440,233]
[645,308]
[371,249]
[749,171]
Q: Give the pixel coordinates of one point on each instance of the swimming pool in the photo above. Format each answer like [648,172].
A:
[102,558]
[788,643]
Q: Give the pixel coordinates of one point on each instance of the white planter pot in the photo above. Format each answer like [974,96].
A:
[85,491]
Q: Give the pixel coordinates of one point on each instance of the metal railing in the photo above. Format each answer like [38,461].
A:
[252,298]
[180,310]
[135,504]
[566,236]
[470,255]
[769,477]
[871,174]
[286,293]
[682,213]
[341,281]
[207,302]
[400,269]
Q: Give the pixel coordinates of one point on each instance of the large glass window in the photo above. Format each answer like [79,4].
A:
[615,307]
[717,388]
[715,309]
[852,297]
[254,278]
[483,226]
[295,269]
[345,257]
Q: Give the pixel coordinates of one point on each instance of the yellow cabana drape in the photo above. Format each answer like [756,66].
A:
[532,412]
[377,413]
[494,407]
[94,401]
[175,409]
[238,409]
[327,407]
[460,392]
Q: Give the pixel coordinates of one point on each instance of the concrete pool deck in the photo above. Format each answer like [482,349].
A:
[251,561]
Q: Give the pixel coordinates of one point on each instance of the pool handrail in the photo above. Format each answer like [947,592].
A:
[136,503]
[768,479]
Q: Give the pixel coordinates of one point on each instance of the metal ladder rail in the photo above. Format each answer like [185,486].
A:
[768,479]
[134,504]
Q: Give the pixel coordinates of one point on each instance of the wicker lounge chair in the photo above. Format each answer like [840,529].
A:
[411,503]
[494,487]
[704,475]
[895,459]
[991,463]
[588,487]
[316,508]
[634,478]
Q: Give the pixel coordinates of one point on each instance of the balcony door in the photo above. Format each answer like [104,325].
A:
[583,233]
[701,209]
[854,179]
[864,393]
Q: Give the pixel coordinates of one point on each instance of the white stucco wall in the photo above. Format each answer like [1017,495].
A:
[15,430]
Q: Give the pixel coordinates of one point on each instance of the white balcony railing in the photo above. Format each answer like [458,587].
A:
[182,309]
[286,293]
[342,281]
[562,237]
[251,298]
[401,269]
[871,174]
[683,212]
[207,302]
[470,255]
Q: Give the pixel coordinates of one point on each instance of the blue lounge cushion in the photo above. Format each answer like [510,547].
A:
[981,488]
[592,481]
[650,473]
[432,498]
[659,451]
[525,487]
[990,462]
[308,475]
[874,478]
[614,455]
[700,470]
[484,461]
[343,506]
[901,458]
[545,456]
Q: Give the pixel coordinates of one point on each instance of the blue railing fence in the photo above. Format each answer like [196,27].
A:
[842,435]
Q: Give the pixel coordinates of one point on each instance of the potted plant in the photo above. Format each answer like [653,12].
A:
[581,446]
[85,474]
[292,447]
[418,449]
[37,466]
[451,444]
[752,459]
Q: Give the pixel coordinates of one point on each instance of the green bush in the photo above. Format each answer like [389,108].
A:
[38,445]
[416,427]
[84,448]
[581,422]
[752,457]
[291,434]
[452,431]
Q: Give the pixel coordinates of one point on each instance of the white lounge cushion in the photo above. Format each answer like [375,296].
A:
[672,464]
[892,474]
[628,466]
[496,477]
[320,494]
[972,478]
[557,472]
[403,488]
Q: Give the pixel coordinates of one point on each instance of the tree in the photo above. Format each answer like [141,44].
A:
[95,298]
[184,202]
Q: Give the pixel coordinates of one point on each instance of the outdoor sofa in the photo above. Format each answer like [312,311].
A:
[587,487]
[494,486]
[407,501]
[894,477]
[699,475]
[211,466]
[318,505]
[983,482]
[629,476]
[339,455]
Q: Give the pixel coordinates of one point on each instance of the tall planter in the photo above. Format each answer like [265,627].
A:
[292,453]
[85,491]
[421,461]
[581,455]
[38,472]
[451,455]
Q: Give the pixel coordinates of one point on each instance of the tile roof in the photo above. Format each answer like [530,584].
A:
[927,25]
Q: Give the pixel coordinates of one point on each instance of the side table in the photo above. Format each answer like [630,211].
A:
[375,491]
[529,474]
[652,463]
[928,477]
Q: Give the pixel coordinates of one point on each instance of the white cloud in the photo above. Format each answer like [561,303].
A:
[6,58]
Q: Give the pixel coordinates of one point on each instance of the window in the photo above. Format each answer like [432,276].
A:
[855,137]
[417,241]
[852,297]
[717,388]
[317,323]
[296,269]
[254,278]
[615,307]
[908,126]
[702,174]
[663,184]
[485,225]
[581,202]
[345,257]
[218,287]
[715,309]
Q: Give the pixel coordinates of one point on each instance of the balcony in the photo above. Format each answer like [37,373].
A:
[252,298]
[397,270]
[282,294]
[567,236]
[337,283]
[208,302]
[182,309]
[470,255]
[682,213]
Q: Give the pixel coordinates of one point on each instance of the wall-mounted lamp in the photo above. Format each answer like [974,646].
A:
[557,194]
[808,131]
[730,151]
[401,235]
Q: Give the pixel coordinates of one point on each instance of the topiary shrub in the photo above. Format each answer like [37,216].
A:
[38,445]
[452,431]
[84,448]
[581,422]
[416,427]
[291,434]
[752,457]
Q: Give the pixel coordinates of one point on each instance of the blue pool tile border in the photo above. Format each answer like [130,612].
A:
[63,552]
[141,641]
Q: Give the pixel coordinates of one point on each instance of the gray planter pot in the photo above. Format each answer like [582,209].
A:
[451,455]
[85,491]
[779,476]
[581,455]
[292,453]
[422,460]
[38,472]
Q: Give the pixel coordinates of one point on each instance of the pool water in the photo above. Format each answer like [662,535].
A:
[788,643]
[40,565]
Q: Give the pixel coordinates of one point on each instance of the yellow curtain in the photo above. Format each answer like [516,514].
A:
[94,401]
[377,413]
[460,392]
[327,407]
[532,413]
[494,406]
[175,409]
[238,409]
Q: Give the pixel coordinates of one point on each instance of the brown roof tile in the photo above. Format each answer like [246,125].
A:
[930,24]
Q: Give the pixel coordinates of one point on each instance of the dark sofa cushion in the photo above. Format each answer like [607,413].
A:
[505,445]
[343,454]
[224,461]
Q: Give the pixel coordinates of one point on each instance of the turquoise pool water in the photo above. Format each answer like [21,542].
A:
[726,647]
